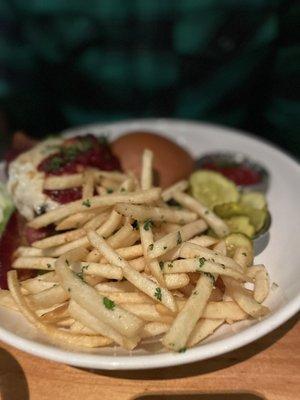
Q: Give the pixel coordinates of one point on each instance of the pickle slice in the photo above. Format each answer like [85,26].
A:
[254,199]
[241,224]
[212,188]
[235,240]
[228,210]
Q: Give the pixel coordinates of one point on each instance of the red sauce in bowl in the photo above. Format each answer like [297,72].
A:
[239,174]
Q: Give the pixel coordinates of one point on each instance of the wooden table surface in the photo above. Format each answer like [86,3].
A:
[268,368]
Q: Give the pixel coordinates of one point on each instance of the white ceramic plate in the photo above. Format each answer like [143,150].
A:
[282,256]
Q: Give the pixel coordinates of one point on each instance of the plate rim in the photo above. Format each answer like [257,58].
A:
[162,360]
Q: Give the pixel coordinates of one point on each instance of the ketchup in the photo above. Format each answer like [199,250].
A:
[239,174]
[72,157]
[65,196]
[77,153]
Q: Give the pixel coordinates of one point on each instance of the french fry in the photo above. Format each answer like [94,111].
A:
[201,265]
[119,238]
[174,239]
[96,221]
[261,282]
[224,310]
[7,301]
[221,248]
[167,227]
[244,299]
[212,220]
[79,328]
[204,328]
[105,270]
[126,297]
[127,186]
[101,190]
[204,240]
[94,256]
[177,336]
[122,287]
[138,263]
[147,312]
[26,251]
[147,286]
[146,175]
[46,263]
[243,257]
[77,220]
[106,311]
[176,281]
[139,197]
[55,335]
[58,314]
[110,185]
[147,241]
[88,184]
[180,186]
[154,329]
[59,239]
[159,214]
[112,175]
[190,250]
[48,297]
[34,285]
[106,230]
[90,321]
[63,182]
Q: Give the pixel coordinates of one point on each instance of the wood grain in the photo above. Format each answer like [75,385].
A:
[269,367]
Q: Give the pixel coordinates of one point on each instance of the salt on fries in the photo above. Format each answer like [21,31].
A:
[128,266]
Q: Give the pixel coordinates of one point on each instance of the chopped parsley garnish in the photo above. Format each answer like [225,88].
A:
[161,265]
[244,254]
[179,238]
[209,275]
[54,164]
[41,272]
[123,190]
[109,190]
[69,289]
[158,293]
[195,292]
[48,265]
[182,350]
[109,304]
[135,224]
[151,246]
[86,203]
[174,203]
[80,275]
[170,265]
[201,262]
[84,267]
[165,247]
[67,262]
[206,212]
[148,224]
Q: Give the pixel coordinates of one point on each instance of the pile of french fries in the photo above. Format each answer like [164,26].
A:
[125,266]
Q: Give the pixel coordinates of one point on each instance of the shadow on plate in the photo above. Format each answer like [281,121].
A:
[206,366]
[201,396]
[13,383]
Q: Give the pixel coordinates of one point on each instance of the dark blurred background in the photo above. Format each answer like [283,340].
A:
[71,62]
